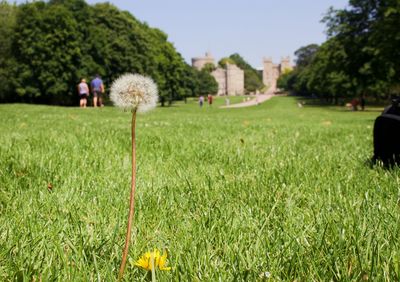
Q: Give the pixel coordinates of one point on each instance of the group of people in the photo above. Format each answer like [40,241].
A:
[358,102]
[96,88]
[209,99]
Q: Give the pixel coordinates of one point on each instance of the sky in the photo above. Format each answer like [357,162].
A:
[252,28]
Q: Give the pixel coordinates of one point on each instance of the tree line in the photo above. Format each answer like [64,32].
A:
[361,56]
[46,47]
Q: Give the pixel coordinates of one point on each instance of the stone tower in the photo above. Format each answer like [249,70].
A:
[272,71]
[200,62]
[268,73]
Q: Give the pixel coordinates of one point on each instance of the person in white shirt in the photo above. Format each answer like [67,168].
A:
[83,90]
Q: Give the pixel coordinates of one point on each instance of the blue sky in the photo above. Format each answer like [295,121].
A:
[252,28]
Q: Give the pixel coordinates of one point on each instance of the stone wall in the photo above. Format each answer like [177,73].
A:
[220,76]
[234,80]
[230,80]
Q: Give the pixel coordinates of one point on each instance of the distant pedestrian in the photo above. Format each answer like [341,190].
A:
[97,91]
[83,90]
[210,99]
[201,101]
[354,104]
[227,102]
[362,102]
[162,101]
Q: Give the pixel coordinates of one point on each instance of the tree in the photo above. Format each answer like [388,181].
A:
[205,82]
[7,27]
[369,35]
[209,67]
[296,80]
[360,56]
[305,55]
[55,43]
[47,49]
[285,79]
[224,61]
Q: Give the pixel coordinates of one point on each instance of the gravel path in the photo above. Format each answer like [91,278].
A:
[261,98]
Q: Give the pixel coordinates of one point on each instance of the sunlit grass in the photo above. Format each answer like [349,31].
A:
[229,193]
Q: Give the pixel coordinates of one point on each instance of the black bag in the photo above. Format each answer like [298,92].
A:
[387,135]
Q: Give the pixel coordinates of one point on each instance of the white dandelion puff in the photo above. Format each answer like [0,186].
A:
[134,92]
[265,275]
[137,93]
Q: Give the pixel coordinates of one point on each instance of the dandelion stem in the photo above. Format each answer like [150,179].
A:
[153,270]
[132,198]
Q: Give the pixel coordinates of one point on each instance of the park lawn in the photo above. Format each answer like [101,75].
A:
[232,194]
[219,101]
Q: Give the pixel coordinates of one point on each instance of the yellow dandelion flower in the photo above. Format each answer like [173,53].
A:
[159,261]
[162,260]
[144,262]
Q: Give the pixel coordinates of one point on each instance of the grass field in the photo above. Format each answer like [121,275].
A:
[230,193]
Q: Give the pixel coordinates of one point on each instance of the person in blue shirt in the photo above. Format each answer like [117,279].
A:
[97,87]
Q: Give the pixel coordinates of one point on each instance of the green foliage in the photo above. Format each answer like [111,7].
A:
[47,50]
[305,55]
[202,82]
[359,58]
[205,82]
[209,67]
[252,78]
[7,27]
[224,61]
[229,193]
[57,43]
[284,81]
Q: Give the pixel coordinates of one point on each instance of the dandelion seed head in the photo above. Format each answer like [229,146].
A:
[134,92]
[265,275]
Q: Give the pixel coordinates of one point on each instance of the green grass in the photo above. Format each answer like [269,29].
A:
[230,193]
[220,101]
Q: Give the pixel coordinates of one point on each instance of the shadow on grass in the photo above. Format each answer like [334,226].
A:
[318,103]
[375,163]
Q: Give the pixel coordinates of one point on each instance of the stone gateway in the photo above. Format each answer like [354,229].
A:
[271,71]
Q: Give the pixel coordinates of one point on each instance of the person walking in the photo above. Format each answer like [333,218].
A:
[210,99]
[362,103]
[227,102]
[201,101]
[97,87]
[83,90]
